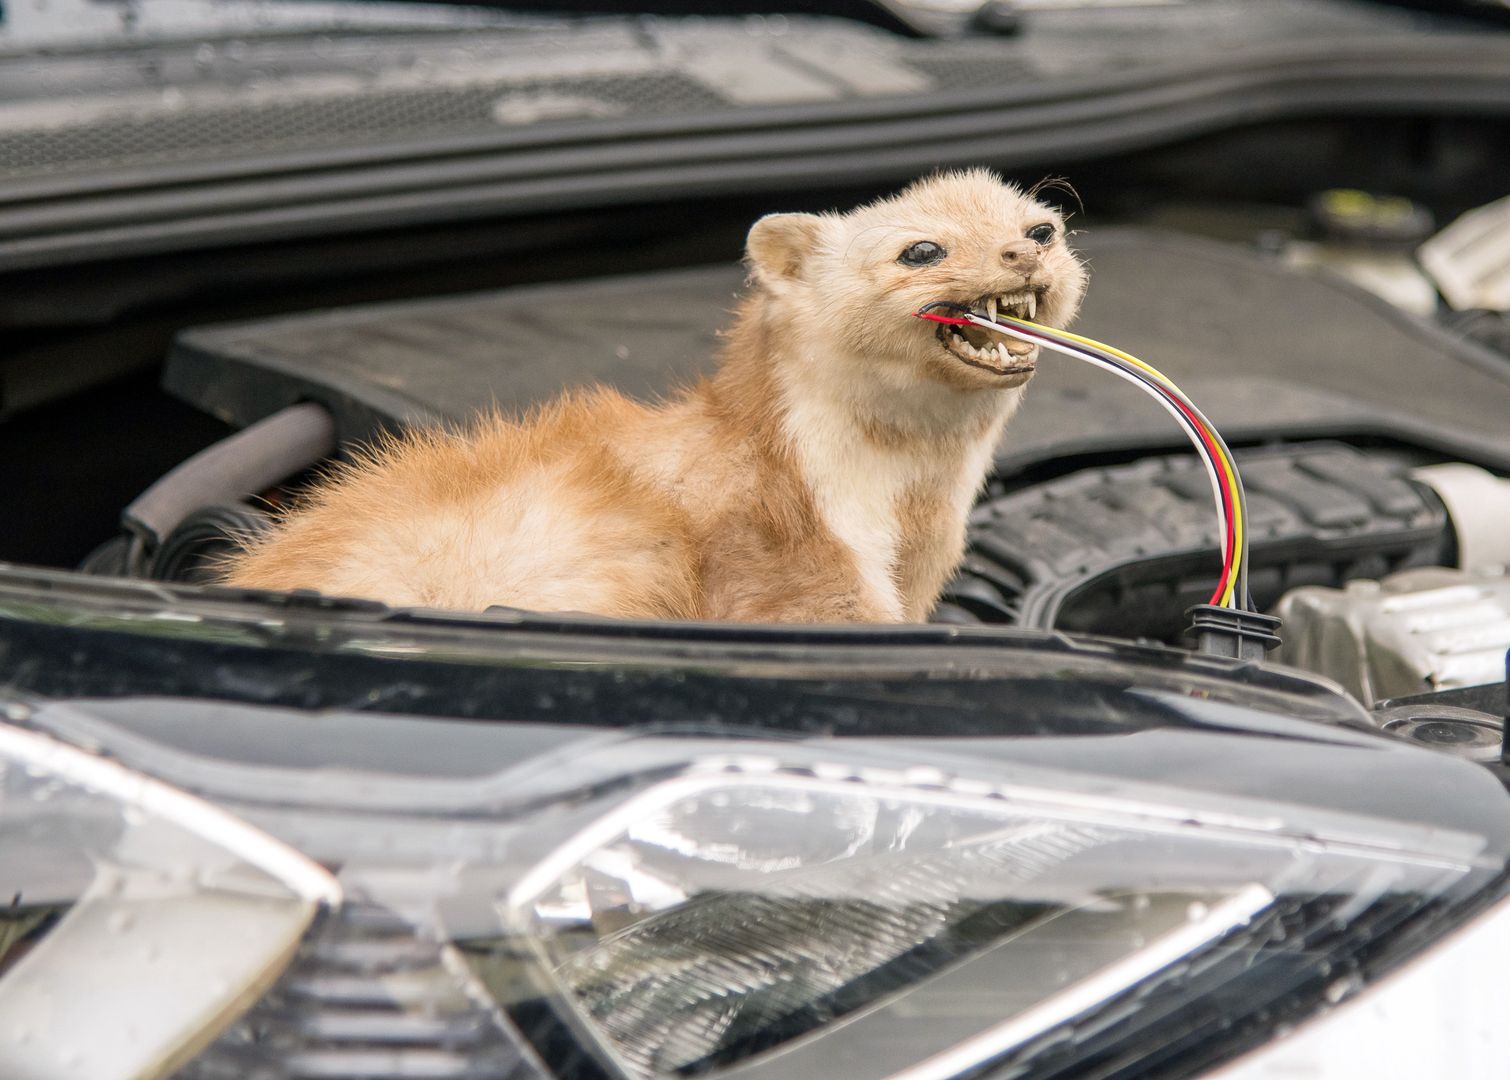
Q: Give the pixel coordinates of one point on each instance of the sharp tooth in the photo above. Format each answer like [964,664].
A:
[1032,305]
[1001,351]
[991,308]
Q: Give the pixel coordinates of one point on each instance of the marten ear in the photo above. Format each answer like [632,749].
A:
[779,244]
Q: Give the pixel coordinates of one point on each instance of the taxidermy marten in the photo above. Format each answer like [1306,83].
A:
[823,473]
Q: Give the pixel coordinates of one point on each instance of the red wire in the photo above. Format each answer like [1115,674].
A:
[1229,544]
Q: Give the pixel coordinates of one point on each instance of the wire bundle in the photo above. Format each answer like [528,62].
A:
[1226,485]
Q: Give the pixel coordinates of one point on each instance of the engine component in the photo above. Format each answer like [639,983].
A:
[265,453]
[1470,259]
[1232,631]
[1363,219]
[1478,502]
[189,551]
[1338,364]
[1125,550]
[1369,240]
[1466,733]
[1488,328]
[1424,629]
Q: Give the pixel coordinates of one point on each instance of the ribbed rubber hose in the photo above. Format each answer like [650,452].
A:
[248,462]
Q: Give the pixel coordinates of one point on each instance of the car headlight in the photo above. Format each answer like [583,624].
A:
[632,907]
[726,915]
[140,921]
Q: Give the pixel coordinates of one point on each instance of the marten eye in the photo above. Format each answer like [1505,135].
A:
[1040,234]
[922,253]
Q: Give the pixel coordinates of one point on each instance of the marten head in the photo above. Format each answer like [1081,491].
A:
[852,281]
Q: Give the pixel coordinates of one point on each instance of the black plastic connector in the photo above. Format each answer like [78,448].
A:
[1222,631]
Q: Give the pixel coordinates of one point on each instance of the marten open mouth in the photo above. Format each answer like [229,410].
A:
[993,352]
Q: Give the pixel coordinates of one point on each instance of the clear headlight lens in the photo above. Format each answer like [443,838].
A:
[138,921]
[731,916]
[636,907]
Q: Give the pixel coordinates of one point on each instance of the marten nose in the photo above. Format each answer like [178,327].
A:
[1021,255]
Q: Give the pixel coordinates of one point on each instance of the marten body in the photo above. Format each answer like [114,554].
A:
[822,474]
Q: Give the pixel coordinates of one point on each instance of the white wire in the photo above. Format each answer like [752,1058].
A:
[1147,387]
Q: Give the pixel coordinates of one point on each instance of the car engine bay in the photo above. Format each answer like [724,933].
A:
[1085,526]
[237,248]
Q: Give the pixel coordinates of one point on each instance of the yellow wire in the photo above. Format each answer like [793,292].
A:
[1228,468]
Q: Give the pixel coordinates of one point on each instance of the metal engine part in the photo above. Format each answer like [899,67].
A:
[1413,632]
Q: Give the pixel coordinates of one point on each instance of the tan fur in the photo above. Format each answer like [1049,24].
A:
[823,474]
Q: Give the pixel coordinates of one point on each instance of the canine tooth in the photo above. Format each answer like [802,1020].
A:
[1032,305]
[991,308]
[1001,351]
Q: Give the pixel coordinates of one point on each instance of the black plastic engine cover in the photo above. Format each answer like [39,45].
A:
[1264,350]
